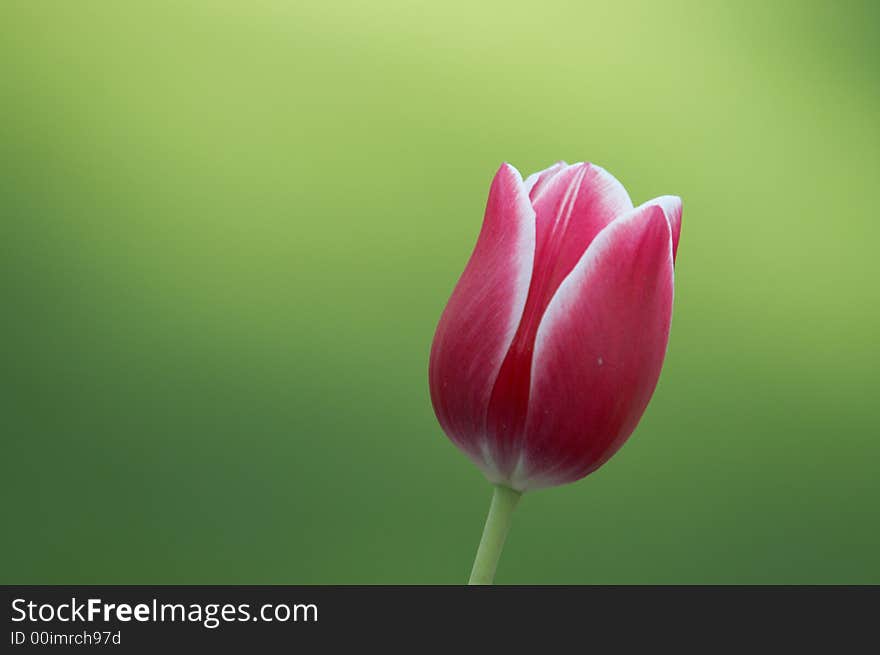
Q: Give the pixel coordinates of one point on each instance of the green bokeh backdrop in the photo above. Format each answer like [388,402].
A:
[229,228]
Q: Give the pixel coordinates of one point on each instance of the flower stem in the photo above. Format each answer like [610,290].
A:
[504,501]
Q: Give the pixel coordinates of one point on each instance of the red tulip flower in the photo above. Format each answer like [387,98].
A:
[551,345]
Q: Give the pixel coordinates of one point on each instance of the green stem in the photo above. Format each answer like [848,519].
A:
[504,501]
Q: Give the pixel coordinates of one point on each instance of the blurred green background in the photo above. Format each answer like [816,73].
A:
[229,228]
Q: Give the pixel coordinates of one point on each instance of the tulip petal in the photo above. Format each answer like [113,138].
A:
[571,208]
[598,351]
[536,181]
[671,206]
[482,316]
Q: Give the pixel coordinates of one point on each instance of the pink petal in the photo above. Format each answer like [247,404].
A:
[536,181]
[599,351]
[573,204]
[482,315]
[571,209]
[671,206]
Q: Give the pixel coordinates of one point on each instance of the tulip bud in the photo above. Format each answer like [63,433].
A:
[552,343]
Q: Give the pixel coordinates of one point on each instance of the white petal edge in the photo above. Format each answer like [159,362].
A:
[531,179]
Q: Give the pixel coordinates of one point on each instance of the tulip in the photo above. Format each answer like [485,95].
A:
[552,342]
